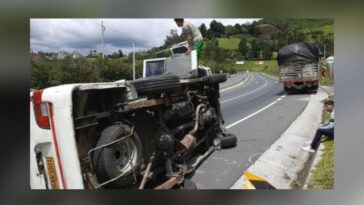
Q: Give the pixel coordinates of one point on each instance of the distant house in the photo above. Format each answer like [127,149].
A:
[76,54]
[62,54]
[258,63]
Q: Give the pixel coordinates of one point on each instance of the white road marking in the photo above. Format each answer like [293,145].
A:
[255,113]
[248,93]
[234,86]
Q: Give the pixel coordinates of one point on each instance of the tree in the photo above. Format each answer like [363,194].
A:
[217,29]
[203,30]
[252,28]
[120,53]
[243,47]
[231,30]
[172,38]
[41,74]
[213,51]
[267,53]
[238,28]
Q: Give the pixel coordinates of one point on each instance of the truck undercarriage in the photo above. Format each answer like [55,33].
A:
[149,134]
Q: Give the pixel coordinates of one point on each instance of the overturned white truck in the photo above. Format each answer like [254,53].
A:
[147,133]
[299,67]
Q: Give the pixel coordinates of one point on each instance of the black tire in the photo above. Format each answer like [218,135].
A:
[108,161]
[288,90]
[228,141]
[214,79]
[156,84]
[314,89]
[188,185]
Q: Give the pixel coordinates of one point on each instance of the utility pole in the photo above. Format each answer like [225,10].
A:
[102,38]
[133,59]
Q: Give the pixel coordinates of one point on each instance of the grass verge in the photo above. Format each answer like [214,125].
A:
[323,174]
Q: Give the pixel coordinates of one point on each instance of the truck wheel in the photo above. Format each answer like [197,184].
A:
[228,141]
[214,79]
[314,89]
[288,90]
[122,157]
[156,84]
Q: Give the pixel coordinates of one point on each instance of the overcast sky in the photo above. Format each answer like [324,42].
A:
[85,34]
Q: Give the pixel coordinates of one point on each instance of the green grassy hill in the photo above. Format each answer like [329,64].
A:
[229,43]
[247,36]
[252,66]
[326,29]
[267,30]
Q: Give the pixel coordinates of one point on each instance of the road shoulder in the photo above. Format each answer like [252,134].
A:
[284,164]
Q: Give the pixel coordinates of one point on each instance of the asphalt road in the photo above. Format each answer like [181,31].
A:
[257,112]
[232,80]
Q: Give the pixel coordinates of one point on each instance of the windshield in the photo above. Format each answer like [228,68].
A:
[154,68]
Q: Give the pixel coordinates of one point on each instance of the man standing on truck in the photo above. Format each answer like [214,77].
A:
[192,35]
[325,129]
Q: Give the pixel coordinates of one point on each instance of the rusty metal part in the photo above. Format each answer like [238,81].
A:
[91,179]
[172,181]
[197,118]
[188,141]
[174,178]
[147,171]
[169,184]
[148,103]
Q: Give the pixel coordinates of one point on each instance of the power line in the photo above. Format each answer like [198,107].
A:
[103,28]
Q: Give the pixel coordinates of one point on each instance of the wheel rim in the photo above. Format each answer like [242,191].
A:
[125,155]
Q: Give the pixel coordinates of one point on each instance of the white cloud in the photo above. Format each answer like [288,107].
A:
[85,34]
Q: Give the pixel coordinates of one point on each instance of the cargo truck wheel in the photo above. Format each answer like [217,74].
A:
[122,157]
[288,90]
[314,89]
[214,79]
[156,84]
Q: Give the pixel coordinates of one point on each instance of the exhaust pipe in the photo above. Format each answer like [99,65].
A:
[189,139]
[187,143]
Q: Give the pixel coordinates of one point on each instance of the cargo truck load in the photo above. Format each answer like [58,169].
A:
[299,67]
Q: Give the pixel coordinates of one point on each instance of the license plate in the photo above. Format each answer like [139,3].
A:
[52,174]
